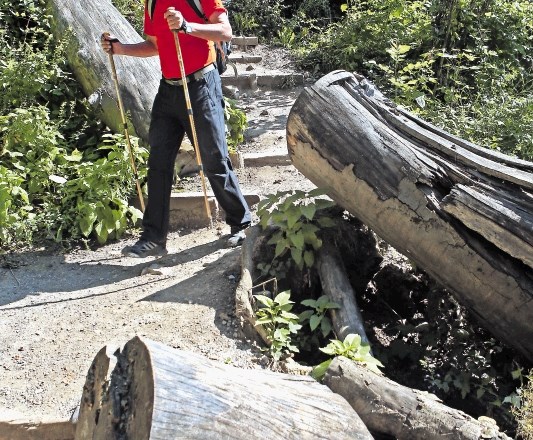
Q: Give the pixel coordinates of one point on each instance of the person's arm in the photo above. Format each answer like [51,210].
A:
[218,28]
[146,48]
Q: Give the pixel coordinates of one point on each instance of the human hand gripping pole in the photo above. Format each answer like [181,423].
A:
[106,35]
[193,128]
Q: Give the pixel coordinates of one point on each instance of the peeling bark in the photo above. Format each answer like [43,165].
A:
[426,193]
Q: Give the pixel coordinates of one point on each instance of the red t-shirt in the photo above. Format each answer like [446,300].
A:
[196,52]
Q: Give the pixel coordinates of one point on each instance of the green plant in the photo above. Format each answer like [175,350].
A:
[279,322]
[133,11]
[524,412]
[316,316]
[294,214]
[277,269]
[59,193]
[262,17]
[64,177]
[351,348]
[236,123]
[468,66]
[286,37]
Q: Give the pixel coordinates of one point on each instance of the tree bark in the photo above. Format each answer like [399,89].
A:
[157,392]
[79,25]
[462,213]
[336,285]
[387,407]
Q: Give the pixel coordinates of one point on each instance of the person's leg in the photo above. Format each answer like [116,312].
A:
[165,136]
[207,103]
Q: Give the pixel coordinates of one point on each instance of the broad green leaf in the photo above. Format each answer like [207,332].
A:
[308,211]
[309,303]
[296,255]
[283,298]
[293,327]
[293,215]
[329,350]
[325,326]
[298,239]
[403,48]
[352,341]
[323,204]
[86,225]
[305,315]
[322,301]
[276,238]
[289,316]
[326,222]
[364,349]
[320,370]
[338,345]
[309,258]
[264,300]
[314,322]
[281,245]
[317,192]
[309,229]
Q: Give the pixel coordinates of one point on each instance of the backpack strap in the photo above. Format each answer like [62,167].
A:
[197,7]
[150,6]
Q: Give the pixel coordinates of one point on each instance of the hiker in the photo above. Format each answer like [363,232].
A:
[170,118]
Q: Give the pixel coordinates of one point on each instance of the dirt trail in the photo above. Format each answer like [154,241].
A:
[57,310]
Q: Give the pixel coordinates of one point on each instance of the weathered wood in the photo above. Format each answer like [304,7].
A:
[157,392]
[244,300]
[138,77]
[94,407]
[387,407]
[336,285]
[411,183]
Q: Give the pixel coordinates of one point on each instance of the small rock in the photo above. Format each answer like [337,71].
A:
[154,269]
[264,113]
[231,277]
[249,68]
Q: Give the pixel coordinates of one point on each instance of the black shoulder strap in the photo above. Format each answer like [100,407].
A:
[197,7]
[194,4]
[150,5]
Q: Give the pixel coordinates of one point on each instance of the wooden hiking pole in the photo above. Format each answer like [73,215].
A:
[125,125]
[193,128]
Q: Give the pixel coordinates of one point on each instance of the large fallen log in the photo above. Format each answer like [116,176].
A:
[79,25]
[389,408]
[462,213]
[157,392]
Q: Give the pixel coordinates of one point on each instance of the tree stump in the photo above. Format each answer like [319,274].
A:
[157,392]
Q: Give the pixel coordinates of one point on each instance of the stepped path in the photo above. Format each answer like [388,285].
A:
[58,309]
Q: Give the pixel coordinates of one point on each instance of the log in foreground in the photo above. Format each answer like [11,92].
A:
[79,25]
[387,407]
[157,392]
[461,212]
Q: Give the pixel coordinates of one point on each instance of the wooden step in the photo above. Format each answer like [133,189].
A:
[245,41]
